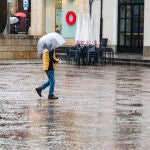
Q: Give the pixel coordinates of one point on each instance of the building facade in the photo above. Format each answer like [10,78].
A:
[125,22]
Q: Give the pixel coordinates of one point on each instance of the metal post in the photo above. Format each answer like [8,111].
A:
[101,22]
[8,17]
[90,4]
[26,22]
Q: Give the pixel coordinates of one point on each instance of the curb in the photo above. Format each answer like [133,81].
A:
[117,61]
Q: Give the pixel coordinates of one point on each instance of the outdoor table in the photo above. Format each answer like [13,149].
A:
[92,55]
[106,55]
[71,53]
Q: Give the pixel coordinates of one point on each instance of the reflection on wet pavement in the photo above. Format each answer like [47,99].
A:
[99,107]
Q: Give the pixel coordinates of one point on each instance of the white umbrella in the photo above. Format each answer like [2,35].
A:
[78,29]
[52,40]
[91,30]
[87,29]
[83,30]
[13,20]
[95,28]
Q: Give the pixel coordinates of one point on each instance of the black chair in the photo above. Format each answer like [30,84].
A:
[81,54]
[71,54]
[107,56]
[104,42]
[67,54]
[92,55]
[106,53]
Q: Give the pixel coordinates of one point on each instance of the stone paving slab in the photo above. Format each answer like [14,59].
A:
[132,56]
[20,61]
[99,108]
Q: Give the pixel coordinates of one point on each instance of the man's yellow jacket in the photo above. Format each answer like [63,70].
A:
[49,59]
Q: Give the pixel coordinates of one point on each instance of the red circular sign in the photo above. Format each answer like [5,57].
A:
[73,20]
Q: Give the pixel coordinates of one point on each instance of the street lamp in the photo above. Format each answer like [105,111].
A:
[101,24]
[90,4]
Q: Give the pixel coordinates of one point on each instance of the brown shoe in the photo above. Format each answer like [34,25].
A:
[52,97]
[39,90]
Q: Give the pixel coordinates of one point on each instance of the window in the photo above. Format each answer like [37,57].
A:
[132,1]
[130,26]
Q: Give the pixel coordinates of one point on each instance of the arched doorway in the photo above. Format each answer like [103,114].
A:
[130,26]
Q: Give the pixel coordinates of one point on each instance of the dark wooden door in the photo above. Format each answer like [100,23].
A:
[130,26]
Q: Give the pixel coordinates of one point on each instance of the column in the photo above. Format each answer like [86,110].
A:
[37,17]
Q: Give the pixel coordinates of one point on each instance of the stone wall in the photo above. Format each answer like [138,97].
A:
[18,46]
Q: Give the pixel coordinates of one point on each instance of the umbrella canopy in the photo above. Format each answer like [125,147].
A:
[83,30]
[95,31]
[78,29]
[20,14]
[86,31]
[13,20]
[51,40]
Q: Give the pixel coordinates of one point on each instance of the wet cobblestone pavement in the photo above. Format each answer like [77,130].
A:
[99,108]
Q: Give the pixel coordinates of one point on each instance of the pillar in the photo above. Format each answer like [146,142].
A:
[37,17]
